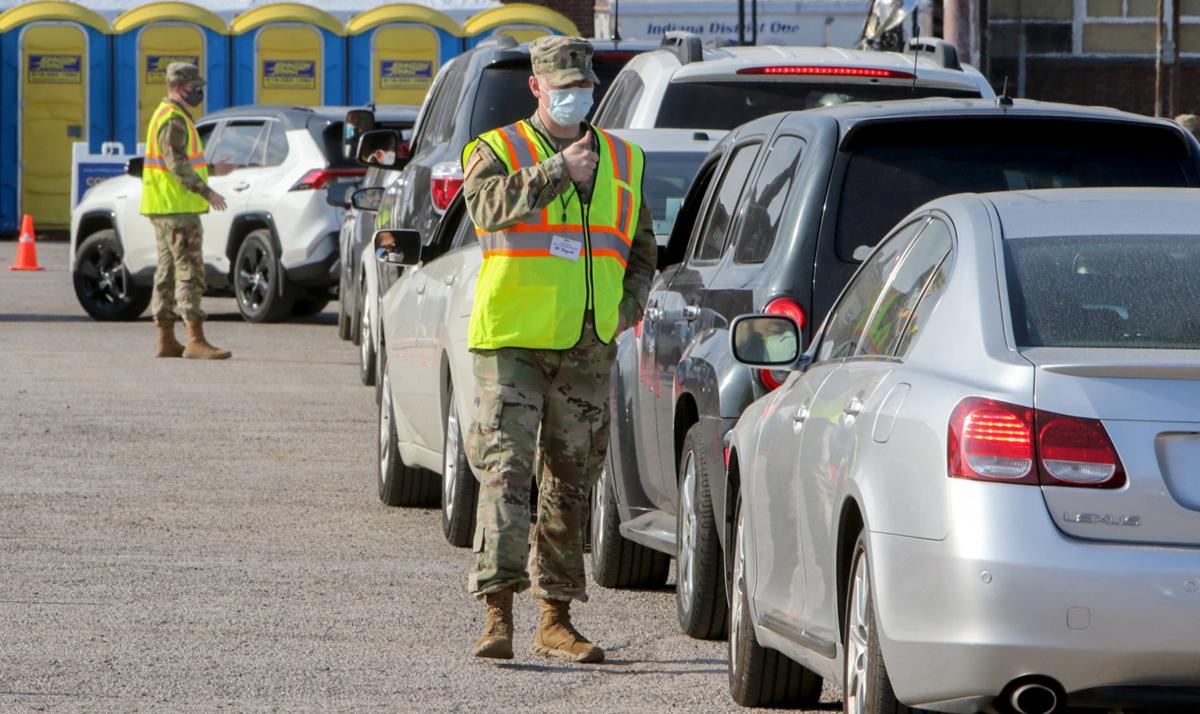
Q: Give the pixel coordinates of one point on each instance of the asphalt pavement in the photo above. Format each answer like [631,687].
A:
[180,536]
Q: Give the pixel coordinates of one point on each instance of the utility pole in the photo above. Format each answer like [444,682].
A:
[742,22]
[1159,39]
[1176,69]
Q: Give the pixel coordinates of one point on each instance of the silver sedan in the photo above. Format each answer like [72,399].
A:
[979,487]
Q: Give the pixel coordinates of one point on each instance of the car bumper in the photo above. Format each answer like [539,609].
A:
[320,266]
[1007,595]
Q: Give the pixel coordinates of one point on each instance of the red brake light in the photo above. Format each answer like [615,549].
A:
[990,440]
[789,308]
[318,178]
[445,181]
[1076,452]
[829,71]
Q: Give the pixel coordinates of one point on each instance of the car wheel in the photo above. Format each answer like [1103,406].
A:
[345,323]
[616,561]
[399,483]
[699,580]
[868,688]
[760,676]
[257,276]
[357,313]
[103,286]
[366,351]
[310,303]
[460,489]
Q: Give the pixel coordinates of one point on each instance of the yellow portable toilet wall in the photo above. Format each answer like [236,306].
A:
[150,37]
[287,53]
[396,51]
[57,69]
[521,21]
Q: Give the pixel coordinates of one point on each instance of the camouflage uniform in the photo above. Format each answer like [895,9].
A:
[563,393]
[179,278]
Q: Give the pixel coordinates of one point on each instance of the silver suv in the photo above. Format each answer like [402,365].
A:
[685,85]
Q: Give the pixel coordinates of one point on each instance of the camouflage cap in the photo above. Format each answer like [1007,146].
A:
[562,60]
[179,72]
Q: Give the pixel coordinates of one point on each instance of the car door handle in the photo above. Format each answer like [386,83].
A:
[421,288]
[449,279]
[691,312]
[801,415]
[853,407]
[241,186]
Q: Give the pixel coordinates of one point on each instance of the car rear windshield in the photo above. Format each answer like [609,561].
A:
[503,96]
[1123,291]
[895,167]
[725,105]
[667,177]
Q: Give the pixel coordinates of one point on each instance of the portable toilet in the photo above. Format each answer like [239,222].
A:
[287,53]
[396,51]
[149,38]
[55,86]
[521,21]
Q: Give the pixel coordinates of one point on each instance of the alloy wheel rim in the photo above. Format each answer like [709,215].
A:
[857,648]
[738,608]
[450,463]
[385,430]
[254,278]
[601,512]
[104,276]
[688,533]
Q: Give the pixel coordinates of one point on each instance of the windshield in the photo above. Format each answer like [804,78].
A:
[667,177]
[503,96]
[725,105]
[896,167]
[1114,291]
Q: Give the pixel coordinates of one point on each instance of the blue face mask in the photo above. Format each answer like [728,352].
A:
[568,107]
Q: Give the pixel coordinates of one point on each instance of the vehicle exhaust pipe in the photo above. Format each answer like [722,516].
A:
[1034,698]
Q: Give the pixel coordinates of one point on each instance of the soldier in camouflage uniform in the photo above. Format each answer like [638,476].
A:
[174,196]
[563,393]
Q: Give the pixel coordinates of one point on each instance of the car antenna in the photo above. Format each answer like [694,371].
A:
[1004,100]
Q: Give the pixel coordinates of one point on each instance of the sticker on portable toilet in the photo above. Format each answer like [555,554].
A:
[289,74]
[55,69]
[405,74]
[156,66]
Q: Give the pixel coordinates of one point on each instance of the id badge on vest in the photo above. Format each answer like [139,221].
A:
[568,248]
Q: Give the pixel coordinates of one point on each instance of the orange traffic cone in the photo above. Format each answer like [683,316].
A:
[26,248]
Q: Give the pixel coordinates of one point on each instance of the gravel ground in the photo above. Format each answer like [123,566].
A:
[183,536]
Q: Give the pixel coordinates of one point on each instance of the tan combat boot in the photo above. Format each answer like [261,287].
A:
[556,637]
[496,642]
[168,346]
[198,347]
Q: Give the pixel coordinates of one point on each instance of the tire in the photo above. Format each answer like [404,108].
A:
[460,489]
[700,601]
[868,688]
[345,323]
[256,280]
[616,561]
[357,312]
[760,676]
[103,286]
[399,483]
[366,354]
[309,303]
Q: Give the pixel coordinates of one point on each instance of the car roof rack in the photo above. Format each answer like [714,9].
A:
[687,46]
[939,50]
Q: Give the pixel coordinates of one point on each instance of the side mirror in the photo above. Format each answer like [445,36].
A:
[765,341]
[398,246]
[357,123]
[338,194]
[134,166]
[384,149]
[367,199]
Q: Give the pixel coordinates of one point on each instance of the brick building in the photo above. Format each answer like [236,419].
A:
[580,12]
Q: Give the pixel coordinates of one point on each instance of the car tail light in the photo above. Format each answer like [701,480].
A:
[637,329]
[1076,452]
[829,71]
[445,181]
[318,178]
[771,379]
[990,440]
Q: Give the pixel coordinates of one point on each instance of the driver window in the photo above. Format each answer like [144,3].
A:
[242,143]
[716,225]
[848,319]
[466,232]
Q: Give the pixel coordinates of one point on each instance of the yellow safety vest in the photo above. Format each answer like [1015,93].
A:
[161,191]
[540,277]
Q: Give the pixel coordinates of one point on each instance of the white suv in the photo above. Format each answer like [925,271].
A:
[276,247]
[685,85]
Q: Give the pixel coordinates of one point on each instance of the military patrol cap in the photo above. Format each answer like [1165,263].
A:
[562,60]
[183,72]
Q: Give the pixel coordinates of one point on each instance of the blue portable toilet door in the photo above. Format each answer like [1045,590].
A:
[289,64]
[159,45]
